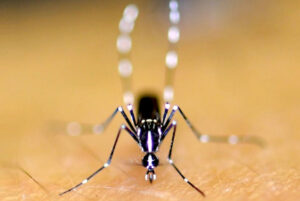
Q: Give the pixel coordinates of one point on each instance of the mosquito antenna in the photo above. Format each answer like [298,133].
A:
[124,45]
[171,60]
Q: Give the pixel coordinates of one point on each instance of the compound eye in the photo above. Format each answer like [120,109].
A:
[155,161]
[145,161]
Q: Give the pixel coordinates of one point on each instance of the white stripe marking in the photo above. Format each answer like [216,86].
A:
[98,128]
[159,131]
[150,160]
[74,128]
[204,138]
[139,132]
[233,139]
[170,161]
[129,107]
[149,142]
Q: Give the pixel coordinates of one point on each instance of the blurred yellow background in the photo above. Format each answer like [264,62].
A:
[238,73]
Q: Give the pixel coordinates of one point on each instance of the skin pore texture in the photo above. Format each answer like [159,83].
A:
[237,74]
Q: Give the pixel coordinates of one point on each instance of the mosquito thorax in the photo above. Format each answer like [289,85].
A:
[149,134]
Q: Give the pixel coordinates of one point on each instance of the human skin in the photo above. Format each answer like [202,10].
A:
[240,77]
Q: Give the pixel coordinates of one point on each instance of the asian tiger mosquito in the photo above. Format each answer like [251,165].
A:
[149,129]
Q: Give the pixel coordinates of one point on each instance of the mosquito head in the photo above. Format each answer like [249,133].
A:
[150,161]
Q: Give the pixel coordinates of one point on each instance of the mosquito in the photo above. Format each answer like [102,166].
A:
[149,128]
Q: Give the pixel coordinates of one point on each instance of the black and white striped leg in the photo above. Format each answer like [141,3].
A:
[166,123]
[105,164]
[205,138]
[167,107]
[173,125]
[75,128]
[130,109]
[120,109]
[175,108]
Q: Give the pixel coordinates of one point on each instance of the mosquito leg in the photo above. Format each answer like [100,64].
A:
[185,179]
[204,138]
[166,123]
[105,164]
[173,125]
[130,108]
[125,66]
[167,107]
[120,109]
[75,128]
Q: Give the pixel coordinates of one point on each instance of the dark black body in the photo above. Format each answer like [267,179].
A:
[149,123]
[148,108]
